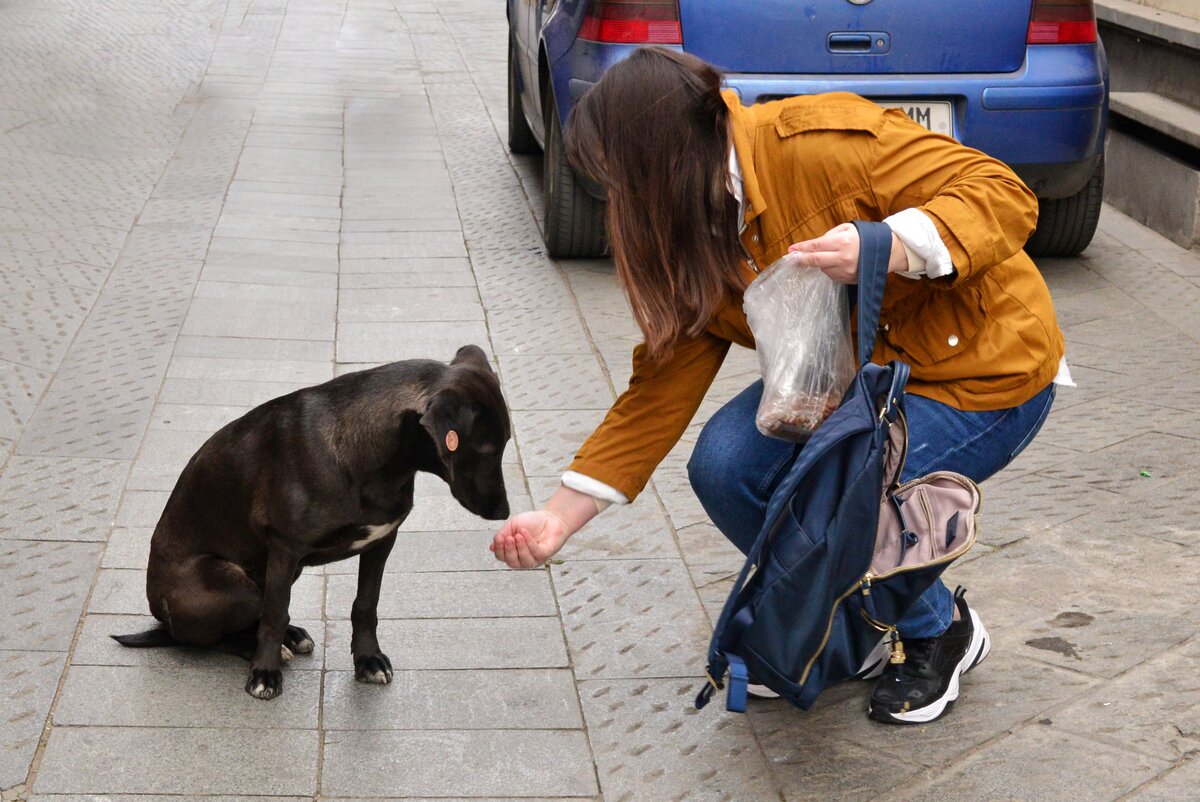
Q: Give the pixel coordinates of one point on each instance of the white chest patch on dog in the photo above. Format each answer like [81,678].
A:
[374,533]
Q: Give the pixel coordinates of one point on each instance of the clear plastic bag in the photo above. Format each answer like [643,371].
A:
[801,325]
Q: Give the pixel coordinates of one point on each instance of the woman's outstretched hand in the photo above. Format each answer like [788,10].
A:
[529,539]
[835,253]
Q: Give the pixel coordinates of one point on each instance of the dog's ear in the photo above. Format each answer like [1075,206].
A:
[447,421]
[473,355]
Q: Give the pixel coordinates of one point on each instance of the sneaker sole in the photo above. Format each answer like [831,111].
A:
[979,648]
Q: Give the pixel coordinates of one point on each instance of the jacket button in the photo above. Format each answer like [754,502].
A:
[953,340]
[754,238]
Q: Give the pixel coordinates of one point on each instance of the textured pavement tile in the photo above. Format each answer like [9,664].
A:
[524,331]
[96,647]
[263,370]
[629,531]
[30,680]
[200,696]
[1029,504]
[1153,709]
[1176,784]
[827,768]
[202,418]
[55,498]
[549,439]
[111,760]
[651,743]
[458,763]
[632,618]
[554,381]
[1119,468]
[393,341]
[453,643]
[45,585]
[453,700]
[469,594]
[1038,762]
[996,697]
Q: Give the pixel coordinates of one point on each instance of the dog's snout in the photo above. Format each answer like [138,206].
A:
[499,511]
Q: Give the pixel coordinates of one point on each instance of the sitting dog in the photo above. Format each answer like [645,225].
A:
[318,475]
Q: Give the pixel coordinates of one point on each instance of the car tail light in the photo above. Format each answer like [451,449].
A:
[1062,22]
[628,22]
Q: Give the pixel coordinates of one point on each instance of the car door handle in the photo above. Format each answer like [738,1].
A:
[859,43]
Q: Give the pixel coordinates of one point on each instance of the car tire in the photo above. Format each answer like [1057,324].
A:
[520,136]
[574,220]
[1066,225]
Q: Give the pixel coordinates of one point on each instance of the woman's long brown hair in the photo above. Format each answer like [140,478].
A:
[654,131]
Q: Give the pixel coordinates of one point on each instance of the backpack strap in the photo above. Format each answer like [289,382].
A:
[874,252]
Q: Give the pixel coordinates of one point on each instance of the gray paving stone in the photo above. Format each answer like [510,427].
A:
[651,743]
[200,696]
[467,594]
[389,342]
[1039,762]
[113,760]
[202,418]
[459,763]
[30,681]
[121,591]
[257,349]
[418,552]
[1153,709]
[454,700]
[96,647]
[432,304]
[404,244]
[128,547]
[526,332]
[1138,466]
[554,381]
[224,393]
[53,498]
[458,643]
[1178,783]
[631,618]
[263,370]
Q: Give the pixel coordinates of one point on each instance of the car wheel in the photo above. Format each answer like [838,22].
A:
[520,136]
[574,219]
[1066,225]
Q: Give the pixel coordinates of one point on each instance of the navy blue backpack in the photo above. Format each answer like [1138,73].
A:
[845,549]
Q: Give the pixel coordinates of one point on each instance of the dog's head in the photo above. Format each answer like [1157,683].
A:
[468,421]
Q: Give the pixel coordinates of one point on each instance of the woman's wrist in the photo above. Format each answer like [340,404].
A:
[573,508]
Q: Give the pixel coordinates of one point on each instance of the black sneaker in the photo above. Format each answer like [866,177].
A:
[925,685]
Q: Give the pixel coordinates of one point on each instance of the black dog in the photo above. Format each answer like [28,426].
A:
[318,475]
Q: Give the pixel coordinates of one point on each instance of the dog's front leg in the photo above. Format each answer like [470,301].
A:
[266,676]
[370,664]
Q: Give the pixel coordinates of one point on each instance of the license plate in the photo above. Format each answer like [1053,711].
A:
[936,116]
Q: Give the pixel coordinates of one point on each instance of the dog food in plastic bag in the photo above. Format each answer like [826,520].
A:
[801,327]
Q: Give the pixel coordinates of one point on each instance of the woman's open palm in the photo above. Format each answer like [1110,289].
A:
[529,539]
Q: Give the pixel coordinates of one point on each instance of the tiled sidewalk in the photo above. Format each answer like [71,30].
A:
[204,205]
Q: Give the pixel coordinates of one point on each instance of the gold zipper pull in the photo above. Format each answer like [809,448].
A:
[898,656]
[866,583]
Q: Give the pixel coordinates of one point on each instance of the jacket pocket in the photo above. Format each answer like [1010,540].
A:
[941,325]
[849,115]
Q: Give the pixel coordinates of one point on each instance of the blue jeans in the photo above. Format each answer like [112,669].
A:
[734,469]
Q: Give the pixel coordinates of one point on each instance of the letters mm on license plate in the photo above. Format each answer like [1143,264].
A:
[936,116]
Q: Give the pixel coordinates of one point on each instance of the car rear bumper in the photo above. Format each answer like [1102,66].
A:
[1047,119]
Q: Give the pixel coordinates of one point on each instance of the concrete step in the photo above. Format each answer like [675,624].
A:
[1153,151]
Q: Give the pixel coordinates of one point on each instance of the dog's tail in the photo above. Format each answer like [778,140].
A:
[146,640]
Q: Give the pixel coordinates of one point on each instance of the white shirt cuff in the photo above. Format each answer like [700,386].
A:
[603,493]
[927,254]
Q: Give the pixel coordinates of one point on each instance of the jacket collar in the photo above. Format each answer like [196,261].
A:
[741,124]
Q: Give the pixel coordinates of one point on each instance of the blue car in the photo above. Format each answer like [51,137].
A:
[1023,80]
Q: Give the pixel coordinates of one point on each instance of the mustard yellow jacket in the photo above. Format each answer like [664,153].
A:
[982,338]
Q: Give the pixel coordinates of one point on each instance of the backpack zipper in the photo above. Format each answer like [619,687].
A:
[870,577]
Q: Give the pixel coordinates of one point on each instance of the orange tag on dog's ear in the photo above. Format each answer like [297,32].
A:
[451,440]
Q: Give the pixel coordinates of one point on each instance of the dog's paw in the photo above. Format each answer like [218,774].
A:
[264,683]
[374,668]
[299,641]
[285,654]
